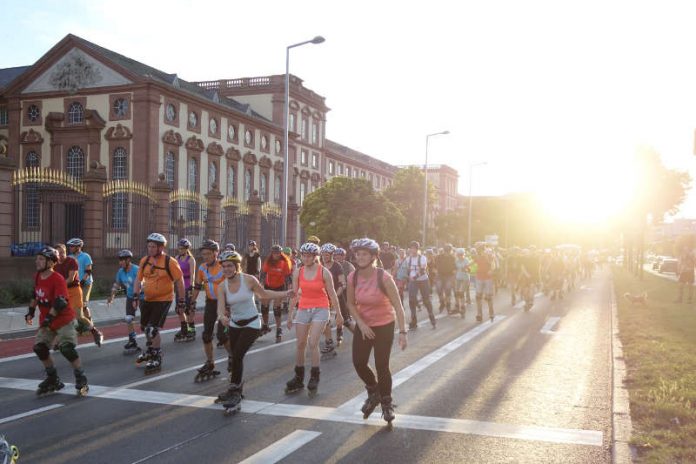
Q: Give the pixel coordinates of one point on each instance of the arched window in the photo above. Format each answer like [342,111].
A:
[76,162]
[119,168]
[263,183]
[276,189]
[32,206]
[231,182]
[303,191]
[170,169]
[32,160]
[192,179]
[247,184]
[212,175]
[119,201]
[76,114]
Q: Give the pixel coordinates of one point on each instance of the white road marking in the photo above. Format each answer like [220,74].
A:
[406,373]
[282,448]
[411,422]
[30,413]
[550,324]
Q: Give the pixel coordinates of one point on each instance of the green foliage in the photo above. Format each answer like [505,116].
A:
[406,192]
[19,292]
[344,209]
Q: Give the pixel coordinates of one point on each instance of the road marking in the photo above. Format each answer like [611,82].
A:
[411,422]
[30,413]
[406,373]
[282,448]
[550,323]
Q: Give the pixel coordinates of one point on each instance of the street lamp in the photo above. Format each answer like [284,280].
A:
[425,183]
[286,164]
[471,169]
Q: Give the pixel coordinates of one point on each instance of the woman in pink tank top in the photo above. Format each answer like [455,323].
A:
[313,284]
[374,303]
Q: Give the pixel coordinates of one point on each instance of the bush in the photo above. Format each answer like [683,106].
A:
[19,292]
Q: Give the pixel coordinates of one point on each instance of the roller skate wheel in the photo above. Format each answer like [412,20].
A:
[83,391]
[231,411]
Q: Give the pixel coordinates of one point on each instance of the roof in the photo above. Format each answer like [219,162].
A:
[7,75]
[358,156]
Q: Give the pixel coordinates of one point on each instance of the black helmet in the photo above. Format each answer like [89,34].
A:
[49,253]
[211,245]
[125,254]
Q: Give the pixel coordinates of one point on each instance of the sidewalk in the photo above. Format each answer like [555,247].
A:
[12,324]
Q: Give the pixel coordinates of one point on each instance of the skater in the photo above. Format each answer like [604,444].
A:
[84,273]
[187,263]
[339,281]
[56,321]
[209,275]
[485,265]
[242,320]
[277,268]
[160,274]
[315,286]
[374,303]
[418,281]
[125,279]
[461,283]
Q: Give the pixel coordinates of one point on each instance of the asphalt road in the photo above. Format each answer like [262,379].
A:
[529,388]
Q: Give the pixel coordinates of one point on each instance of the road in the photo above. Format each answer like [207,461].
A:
[529,388]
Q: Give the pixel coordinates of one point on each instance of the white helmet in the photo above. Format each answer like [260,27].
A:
[328,248]
[75,242]
[157,238]
[365,244]
[310,249]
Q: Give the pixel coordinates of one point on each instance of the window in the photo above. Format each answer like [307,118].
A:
[349,171]
[362,174]
[303,158]
[276,189]
[304,129]
[262,187]
[192,179]
[340,169]
[4,116]
[291,123]
[315,131]
[315,160]
[32,160]
[231,182]
[119,202]
[119,169]
[32,206]
[120,107]
[76,162]
[76,114]
[303,191]
[247,184]
[332,168]
[33,113]
[212,175]
[170,168]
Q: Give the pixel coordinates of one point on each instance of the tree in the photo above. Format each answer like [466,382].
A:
[406,192]
[345,208]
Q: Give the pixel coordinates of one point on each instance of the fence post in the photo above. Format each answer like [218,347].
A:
[7,206]
[293,208]
[254,204]
[162,190]
[214,219]
[94,181]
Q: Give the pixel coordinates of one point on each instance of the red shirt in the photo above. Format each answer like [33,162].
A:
[46,291]
[277,272]
[484,269]
[64,268]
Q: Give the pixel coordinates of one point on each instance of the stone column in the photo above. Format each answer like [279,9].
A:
[213,223]
[293,220]
[94,181]
[254,205]
[7,206]
[162,190]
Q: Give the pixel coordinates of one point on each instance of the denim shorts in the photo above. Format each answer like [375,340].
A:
[484,287]
[309,315]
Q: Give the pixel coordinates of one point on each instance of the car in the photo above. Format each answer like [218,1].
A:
[669,265]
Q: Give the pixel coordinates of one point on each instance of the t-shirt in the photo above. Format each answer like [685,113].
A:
[69,264]
[83,260]
[127,278]
[252,264]
[347,267]
[158,285]
[462,265]
[388,259]
[336,271]
[46,290]
[445,264]
[417,267]
[211,277]
[372,304]
[277,271]
[484,266]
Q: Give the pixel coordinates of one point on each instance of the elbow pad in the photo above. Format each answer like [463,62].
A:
[60,304]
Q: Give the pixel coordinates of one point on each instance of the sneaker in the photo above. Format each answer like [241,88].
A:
[98,337]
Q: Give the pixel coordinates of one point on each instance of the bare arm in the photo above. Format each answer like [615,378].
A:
[328,284]
[262,293]
[221,305]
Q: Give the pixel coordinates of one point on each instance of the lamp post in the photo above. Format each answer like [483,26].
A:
[425,183]
[471,169]
[286,164]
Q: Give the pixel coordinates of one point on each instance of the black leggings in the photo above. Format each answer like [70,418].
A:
[382,343]
[240,342]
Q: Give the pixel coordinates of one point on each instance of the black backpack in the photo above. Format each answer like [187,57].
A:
[380,280]
[167,258]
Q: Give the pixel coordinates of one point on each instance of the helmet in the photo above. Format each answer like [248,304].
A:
[211,245]
[328,248]
[448,248]
[125,254]
[157,238]
[252,243]
[231,256]
[184,243]
[313,239]
[340,252]
[49,253]
[230,247]
[385,244]
[414,244]
[276,249]
[287,250]
[310,249]
[460,252]
[75,242]
[365,244]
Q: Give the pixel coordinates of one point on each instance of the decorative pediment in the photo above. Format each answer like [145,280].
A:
[317,115]
[195,144]
[304,174]
[118,132]
[233,154]
[250,158]
[294,106]
[56,121]
[315,177]
[265,162]
[172,138]
[74,71]
[30,136]
[306,111]
[215,148]
[278,166]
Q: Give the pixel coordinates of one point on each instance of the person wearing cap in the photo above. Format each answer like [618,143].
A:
[125,279]
[187,263]
[276,269]
[251,260]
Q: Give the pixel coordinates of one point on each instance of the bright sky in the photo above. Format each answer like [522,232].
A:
[554,95]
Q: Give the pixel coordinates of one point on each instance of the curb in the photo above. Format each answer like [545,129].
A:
[621,425]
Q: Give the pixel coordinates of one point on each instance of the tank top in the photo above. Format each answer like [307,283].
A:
[313,291]
[241,304]
[374,307]
[185,266]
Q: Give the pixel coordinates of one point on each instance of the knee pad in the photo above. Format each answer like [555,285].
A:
[129,319]
[151,332]
[68,351]
[42,351]
[276,310]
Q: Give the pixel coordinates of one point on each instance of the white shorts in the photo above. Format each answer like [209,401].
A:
[309,315]
[484,287]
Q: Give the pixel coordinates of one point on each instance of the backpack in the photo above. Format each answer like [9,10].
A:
[380,280]
[167,258]
[421,269]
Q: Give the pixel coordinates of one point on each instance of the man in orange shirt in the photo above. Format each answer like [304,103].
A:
[277,268]
[208,276]
[160,273]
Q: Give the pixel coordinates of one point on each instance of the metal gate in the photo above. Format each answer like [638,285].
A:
[187,218]
[49,208]
[129,216]
[270,228]
[236,222]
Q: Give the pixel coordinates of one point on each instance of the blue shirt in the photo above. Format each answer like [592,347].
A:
[127,279]
[83,260]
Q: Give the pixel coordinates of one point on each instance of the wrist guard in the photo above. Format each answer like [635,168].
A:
[31,312]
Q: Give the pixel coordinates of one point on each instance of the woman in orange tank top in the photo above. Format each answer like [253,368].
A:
[313,286]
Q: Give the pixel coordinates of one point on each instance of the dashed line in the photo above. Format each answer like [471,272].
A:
[282,448]
[550,324]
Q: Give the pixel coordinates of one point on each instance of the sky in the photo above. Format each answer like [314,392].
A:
[554,96]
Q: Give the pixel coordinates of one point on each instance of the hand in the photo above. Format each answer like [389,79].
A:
[47,321]
[403,341]
[290,294]
[339,319]
[224,320]
[367,332]
[29,316]
[110,300]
